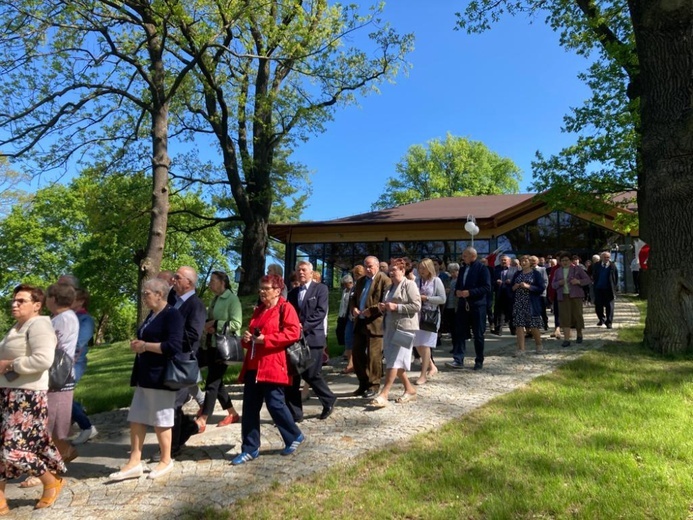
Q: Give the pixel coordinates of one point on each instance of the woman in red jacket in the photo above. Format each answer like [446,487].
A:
[273,327]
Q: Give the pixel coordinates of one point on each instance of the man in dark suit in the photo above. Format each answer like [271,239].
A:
[368,327]
[473,288]
[311,300]
[194,314]
[605,279]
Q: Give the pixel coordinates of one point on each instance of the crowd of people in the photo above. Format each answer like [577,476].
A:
[389,313]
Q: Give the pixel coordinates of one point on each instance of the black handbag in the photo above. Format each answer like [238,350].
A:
[229,348]
[60,372]
[428,319]
[181,373]
[298,353]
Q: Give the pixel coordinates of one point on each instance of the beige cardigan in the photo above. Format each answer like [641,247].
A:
[32,358]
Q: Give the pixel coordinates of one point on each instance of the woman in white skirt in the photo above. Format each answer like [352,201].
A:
[160,337]
[400,307]
[433,295]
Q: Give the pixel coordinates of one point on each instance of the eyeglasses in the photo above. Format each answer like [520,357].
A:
[20,301]
[265,289]
[181,277]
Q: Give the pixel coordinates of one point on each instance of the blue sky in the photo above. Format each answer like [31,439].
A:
[509,88]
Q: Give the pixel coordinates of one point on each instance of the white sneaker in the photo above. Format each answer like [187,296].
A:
[85,435]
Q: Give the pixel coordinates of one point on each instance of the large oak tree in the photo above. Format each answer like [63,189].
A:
[646,54]
[454,167]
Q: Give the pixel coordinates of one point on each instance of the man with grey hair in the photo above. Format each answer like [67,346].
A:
[311,300]
[368,327]
[605,279]
[194,315]
[473,288]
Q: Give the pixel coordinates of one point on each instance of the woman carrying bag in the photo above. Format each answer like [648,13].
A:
[225,316]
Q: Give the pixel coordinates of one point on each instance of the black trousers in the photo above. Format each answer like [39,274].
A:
[184,426]
[313,377]
[604,305]
[215,389]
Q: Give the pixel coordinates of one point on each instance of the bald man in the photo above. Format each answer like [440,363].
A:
[473,288]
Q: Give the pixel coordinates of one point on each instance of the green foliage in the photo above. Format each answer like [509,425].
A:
[455,167]
[94,228]
[603,162]
[605,436]
[9,182]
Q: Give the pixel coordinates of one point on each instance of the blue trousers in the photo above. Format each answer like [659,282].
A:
[254,394]
[474,319]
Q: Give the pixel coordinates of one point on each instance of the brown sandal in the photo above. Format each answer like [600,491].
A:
[54,489]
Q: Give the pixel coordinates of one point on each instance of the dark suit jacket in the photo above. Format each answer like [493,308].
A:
[478,283]
[613,276]
[376,294]
[312,315]
[194,316]
[166,328]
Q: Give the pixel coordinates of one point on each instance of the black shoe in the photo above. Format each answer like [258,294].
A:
[371,392]
[156,457]
[326,412]
[600,323]
[608,326]
[478,366]
[359,392]
[579,339]
[565,344]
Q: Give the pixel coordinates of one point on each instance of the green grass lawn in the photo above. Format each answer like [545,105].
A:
[106,383]
[606,436]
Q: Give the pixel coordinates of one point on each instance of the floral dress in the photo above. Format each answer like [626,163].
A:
[522,308]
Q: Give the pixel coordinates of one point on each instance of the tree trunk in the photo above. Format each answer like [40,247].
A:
[150,263]
[664,41]
[253,251]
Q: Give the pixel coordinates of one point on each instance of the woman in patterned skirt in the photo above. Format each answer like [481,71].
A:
[26,354]
[528,284]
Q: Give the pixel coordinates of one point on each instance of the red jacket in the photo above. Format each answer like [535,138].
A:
[269,359]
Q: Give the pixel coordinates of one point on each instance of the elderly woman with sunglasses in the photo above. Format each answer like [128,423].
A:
[26,354]
[265,373]
[224,313]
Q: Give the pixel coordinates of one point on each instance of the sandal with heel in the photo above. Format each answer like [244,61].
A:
[54,488]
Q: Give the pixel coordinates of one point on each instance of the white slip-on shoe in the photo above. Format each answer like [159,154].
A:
[134,472]
[156,474]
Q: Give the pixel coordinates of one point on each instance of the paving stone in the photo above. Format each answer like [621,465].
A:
[203,475]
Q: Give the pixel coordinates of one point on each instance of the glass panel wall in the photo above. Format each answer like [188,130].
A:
[545,235]
[555,232]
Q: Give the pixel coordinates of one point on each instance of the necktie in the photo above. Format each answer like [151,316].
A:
[301,295]
[179,302]
[364,294]
[464,277]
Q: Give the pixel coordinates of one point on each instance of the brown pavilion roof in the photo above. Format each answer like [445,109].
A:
[488,210]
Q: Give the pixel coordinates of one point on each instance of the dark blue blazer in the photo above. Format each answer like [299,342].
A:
[312,315]
[478,284]
[166,328]
[613,276]
[194,317]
